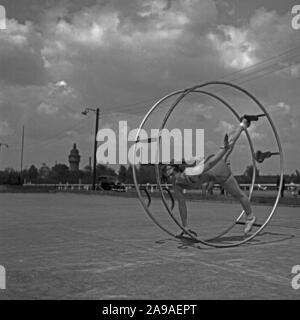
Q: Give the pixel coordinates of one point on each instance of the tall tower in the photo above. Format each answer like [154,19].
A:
[74,159]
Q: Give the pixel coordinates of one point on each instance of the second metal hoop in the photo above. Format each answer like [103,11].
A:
[224,102]
[182,94]
[253,98]
[146,205]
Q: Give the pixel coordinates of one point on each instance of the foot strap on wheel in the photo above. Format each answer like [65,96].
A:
[258,225]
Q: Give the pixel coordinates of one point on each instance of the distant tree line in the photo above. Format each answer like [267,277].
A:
[60,173]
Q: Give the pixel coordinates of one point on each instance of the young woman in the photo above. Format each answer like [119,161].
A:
[213,170]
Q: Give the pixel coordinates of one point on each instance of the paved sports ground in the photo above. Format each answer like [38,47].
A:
[68,246]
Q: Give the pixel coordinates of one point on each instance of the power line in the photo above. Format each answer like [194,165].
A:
[268,73]
[261,62]
[292,52]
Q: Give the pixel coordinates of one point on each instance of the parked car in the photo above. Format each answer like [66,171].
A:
[119,187]
[106,182]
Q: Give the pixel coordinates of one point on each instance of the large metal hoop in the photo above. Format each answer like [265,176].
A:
[253,98]
[146,205]
[231,226]
[184,93]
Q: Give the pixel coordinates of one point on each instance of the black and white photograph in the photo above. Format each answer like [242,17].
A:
[149,152]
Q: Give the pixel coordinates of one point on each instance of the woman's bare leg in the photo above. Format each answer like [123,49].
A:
[233,188]
[178,192]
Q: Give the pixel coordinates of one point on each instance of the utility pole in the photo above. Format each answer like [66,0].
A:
[3,145]
[95,149]
[97,113]
[22,155]
[90,165]
[22,150]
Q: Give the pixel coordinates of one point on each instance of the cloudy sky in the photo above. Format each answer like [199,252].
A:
[59,56]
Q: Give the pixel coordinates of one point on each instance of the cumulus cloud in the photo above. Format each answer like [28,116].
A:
[234,47]
[128,47]
[280,107]
[256,132]
[287,122]
[199,109]
[57,96]
[21,61]
[47,109]
[266,34]
[130,23]
[224,127]
[5,129]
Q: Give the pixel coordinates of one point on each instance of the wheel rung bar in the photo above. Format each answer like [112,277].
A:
[149,140]
[254,224]
[253,117]
[257,115]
